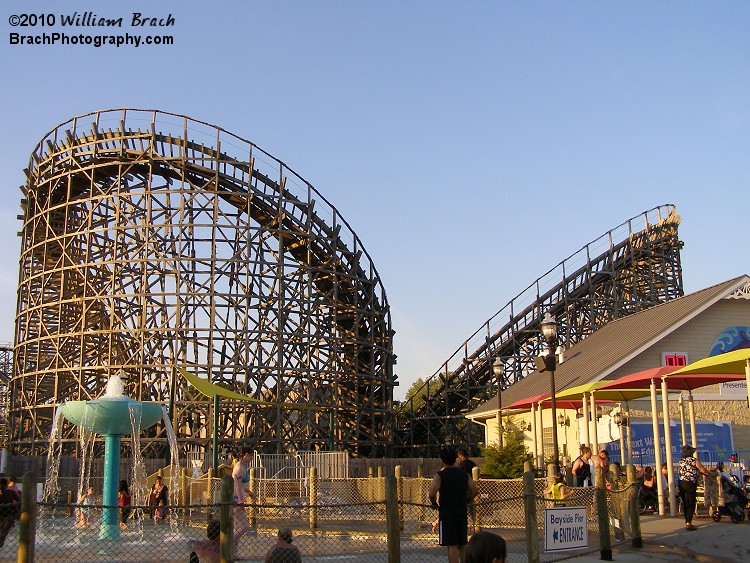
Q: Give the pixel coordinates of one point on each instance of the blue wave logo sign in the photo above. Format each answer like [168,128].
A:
[730,339]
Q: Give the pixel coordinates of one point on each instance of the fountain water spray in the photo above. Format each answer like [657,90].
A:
[113,415]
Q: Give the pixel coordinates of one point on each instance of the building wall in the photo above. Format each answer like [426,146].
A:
[695,338]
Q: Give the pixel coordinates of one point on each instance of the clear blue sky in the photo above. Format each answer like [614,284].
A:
[472,146]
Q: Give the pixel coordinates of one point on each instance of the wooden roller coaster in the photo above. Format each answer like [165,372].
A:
[630,268]
[152,242]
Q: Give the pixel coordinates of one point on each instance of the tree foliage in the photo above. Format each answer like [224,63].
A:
[506,462]
[417,392]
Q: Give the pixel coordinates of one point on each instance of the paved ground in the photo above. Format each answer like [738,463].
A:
[665,539]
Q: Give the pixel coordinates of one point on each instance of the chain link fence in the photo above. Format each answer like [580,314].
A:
[378,519]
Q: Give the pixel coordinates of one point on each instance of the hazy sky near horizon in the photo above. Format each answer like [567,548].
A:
[471,146]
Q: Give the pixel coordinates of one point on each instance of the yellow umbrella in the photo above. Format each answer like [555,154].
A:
[579,391]
[736,361]
[586,393]
[214,391]
[210,389]
[605,394]
[597,391]
[728,362]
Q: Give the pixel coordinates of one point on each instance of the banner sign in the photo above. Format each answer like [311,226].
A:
[713,437]
[734,389]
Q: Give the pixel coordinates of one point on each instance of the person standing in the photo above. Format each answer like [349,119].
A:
[158,498]
[558,491]
[241,477]
[9,509]
[123,500]
[456,489]
[464,462]
[582,469]
[688,471]
[85,514]
[602,460]
[467,465]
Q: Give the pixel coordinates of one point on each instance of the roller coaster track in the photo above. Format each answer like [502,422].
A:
[630,268]
[144,248]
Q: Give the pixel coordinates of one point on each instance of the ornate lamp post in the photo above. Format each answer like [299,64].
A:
[498,369]
[622,420]
[549,333]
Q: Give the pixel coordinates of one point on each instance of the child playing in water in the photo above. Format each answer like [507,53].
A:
[85,514]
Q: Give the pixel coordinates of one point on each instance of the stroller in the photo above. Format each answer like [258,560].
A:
[734,501]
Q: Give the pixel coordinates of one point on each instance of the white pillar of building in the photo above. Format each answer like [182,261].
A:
[657,447]
[668,447]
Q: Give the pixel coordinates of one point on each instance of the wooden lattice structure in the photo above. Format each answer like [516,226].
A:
[632,267]
[151,240]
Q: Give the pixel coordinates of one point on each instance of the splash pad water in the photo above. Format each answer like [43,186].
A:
[113,415]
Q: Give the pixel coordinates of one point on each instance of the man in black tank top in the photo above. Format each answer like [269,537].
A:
[581,467]
[456,490]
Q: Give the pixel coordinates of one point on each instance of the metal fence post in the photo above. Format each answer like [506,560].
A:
[635,517]
[392,520]
[313,497]
[253,500]
[529,501]
[27,520]
[226,520]
[605,542]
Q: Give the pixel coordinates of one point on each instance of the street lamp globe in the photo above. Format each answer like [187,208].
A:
[549,328]
[498,368]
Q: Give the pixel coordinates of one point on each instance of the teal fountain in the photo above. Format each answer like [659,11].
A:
[112,415]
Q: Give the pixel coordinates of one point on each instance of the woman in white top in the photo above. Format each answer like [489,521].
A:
[241,477]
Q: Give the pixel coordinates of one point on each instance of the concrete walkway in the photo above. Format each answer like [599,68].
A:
[666,539]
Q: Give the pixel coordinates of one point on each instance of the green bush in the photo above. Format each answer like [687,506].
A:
[506,462]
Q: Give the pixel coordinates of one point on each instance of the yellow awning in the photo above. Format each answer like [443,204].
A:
[602,394]
[579,390]
[212,390]
[728,362]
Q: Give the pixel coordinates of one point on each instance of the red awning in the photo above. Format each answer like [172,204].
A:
[639,379]
[526,403]
[642,379]
[545,402]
